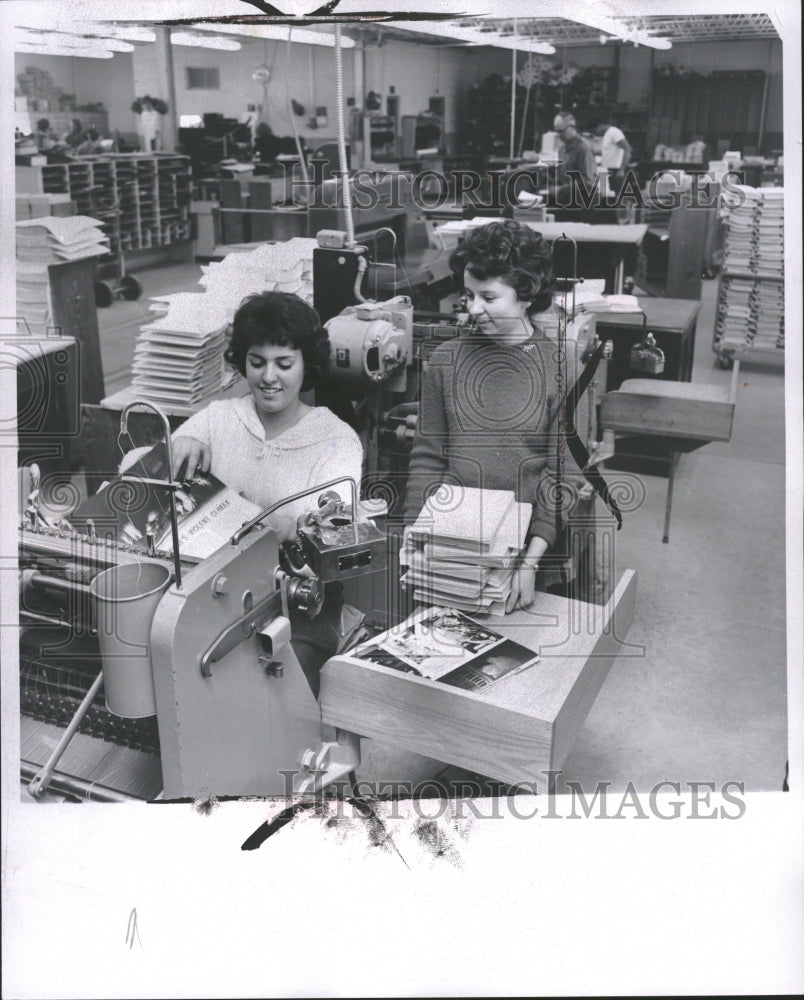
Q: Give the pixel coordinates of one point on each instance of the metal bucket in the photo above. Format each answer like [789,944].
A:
[127,597]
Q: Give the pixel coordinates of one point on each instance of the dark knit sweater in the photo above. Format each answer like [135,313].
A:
[488,418]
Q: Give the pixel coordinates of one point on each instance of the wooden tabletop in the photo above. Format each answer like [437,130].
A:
[662,314]
[581,232]
[119,400]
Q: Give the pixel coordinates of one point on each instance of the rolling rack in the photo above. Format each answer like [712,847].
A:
[750,304]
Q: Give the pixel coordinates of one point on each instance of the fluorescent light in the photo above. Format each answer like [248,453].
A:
[203,41]
[130,33]
[476,36]
[58,50]
[613,27]
[67,41]
[279,33]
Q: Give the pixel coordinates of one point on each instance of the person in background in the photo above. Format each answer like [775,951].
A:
[44,136]
[76,135]
[615,154]
[577,157]
[90,145]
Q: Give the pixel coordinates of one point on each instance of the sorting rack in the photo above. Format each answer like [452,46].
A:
[151,191]
[750,306]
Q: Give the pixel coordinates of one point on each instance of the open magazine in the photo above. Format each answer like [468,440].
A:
[447,646]
[208,512]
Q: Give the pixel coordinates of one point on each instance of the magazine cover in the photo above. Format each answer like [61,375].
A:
[208,512]
[445,645]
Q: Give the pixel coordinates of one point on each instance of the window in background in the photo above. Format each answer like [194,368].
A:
[203,78]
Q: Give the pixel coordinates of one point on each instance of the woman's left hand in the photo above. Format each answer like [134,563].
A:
[523,588]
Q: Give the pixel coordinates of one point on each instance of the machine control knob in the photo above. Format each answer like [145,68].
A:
[306,594]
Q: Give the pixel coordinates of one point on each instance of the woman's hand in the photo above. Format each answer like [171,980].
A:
[523,582]
[523,587]
[194,453]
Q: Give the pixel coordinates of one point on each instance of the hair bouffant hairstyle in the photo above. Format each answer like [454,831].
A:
[285,320]
[513,253]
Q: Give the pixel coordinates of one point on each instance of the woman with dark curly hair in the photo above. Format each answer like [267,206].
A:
[270,444]
[490,399]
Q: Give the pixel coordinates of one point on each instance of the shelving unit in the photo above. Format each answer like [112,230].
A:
[151,192]
[750,307]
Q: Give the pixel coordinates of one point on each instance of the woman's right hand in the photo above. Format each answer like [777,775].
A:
[193,454]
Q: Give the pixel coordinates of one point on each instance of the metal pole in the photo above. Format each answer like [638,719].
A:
[513,98]
[763,111]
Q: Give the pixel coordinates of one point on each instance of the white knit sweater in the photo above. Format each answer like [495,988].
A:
[320,447]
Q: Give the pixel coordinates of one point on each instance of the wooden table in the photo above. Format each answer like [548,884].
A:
[521,726]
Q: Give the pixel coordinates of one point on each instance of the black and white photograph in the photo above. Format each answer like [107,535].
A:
[401,452]
[483,670]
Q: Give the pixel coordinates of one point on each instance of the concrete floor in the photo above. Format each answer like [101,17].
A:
[707,701]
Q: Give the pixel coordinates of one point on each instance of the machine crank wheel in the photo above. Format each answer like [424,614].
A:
[104,294]
[130,288]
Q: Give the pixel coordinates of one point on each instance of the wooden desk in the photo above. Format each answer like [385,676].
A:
[673,323]
[518,728]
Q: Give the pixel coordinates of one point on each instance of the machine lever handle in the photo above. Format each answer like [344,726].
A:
[245,627]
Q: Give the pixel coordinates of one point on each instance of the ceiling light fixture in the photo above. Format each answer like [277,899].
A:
[204,41]
[67,41]
[130,33]
[478,36]
[600,22]
[43,49]
[279,33]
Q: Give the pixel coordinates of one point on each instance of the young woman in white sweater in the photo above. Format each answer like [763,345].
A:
[269,444]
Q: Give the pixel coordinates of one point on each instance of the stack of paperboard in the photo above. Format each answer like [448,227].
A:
[179,357]
[464,547]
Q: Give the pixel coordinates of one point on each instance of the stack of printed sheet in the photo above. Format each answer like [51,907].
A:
[464,547]
[54,239]
[179,357]
[50,240]
[751,302]
[280,267]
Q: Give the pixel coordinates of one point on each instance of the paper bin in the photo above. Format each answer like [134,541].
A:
[127,597]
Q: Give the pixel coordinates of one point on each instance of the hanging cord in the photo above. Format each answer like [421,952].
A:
[344,169]
[292,116]
[562,432]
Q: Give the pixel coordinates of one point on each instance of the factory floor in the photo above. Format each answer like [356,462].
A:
[706,700]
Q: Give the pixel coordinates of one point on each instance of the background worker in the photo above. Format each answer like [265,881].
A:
[577,158]
[615,154]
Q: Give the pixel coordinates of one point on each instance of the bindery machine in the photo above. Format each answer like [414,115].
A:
[146,675]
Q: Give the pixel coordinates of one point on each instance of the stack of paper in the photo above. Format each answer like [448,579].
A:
[53,239]
[751,307]
[755,231]
[179,357]
[33,298]
[281,267]
[464,547]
